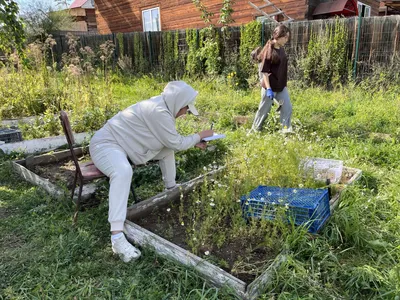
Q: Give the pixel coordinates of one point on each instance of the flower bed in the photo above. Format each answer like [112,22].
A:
[205,229]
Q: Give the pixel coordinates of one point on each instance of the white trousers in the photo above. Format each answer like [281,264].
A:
[112,160]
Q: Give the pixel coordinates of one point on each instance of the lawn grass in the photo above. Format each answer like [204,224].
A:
[356,256]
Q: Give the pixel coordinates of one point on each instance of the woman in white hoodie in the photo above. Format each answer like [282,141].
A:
[142,132]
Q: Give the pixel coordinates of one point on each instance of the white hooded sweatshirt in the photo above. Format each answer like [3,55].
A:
[147,127]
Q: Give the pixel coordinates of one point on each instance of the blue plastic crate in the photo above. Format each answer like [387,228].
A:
[10,135]
[304,206]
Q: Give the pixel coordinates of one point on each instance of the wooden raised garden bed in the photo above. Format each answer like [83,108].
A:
[155,223]
[54,172]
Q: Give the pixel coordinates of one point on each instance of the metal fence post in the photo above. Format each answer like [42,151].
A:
[262,33]
[115,55]
[357,45]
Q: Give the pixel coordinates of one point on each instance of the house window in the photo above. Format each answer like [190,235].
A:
[363,9]
[151,19]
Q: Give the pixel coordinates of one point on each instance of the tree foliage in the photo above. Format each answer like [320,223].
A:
[12,34]
[42,19]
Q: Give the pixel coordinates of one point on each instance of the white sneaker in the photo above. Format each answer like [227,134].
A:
[287,130]
[124,249]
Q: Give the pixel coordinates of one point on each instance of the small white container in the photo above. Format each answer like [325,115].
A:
[322,169]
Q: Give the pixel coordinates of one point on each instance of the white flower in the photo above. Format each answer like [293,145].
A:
[205,168]
[294,191]
[198,202]
[269,193]
[212,199]
[286,205]
[183,223]
[168,209]
[207,253]
[194,238]
[262,199]
[212,204]
[301,185]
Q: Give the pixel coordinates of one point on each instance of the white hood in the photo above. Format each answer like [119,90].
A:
[178,94]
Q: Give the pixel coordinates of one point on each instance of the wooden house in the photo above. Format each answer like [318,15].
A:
[389,7]
[83,12]
[157,15]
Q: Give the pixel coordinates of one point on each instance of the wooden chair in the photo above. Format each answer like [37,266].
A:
[85,172]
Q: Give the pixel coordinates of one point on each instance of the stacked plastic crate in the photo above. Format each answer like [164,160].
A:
[309,207]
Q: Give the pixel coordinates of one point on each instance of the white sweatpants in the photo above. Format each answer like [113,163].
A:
[112,160]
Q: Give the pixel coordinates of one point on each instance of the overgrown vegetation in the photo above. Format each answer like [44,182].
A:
[355,256]
[327,62]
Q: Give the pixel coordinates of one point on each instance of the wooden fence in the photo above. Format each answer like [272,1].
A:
[378,42]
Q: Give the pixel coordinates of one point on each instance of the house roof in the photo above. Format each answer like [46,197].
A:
[346,7]
[79,3]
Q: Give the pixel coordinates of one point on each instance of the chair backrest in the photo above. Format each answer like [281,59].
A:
[67,127]
[70,139]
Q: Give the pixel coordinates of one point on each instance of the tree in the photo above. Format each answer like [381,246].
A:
[12,34]
[42,18]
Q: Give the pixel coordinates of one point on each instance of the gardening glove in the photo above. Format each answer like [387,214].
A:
[270,94]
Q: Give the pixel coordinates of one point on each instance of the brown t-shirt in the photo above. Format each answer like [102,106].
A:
[278,77]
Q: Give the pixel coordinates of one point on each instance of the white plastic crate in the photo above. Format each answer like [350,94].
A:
[323,169]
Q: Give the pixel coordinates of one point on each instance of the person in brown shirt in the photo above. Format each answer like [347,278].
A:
[273,66]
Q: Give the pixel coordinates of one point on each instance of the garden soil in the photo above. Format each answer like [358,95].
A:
[165,222]
[61,173]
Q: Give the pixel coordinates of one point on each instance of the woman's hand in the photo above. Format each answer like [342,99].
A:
[270,94]
[201,145]
[206,133]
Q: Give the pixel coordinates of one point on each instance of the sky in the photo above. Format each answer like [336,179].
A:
[27,5]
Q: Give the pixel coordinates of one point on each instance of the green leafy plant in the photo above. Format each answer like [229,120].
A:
[12,35]
[326,62]
[250,37]
[225,17]
[169,55]
[209,50]
[193,63]
[206,15]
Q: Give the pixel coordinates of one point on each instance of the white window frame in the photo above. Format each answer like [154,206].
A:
[159,19]
[367,10]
